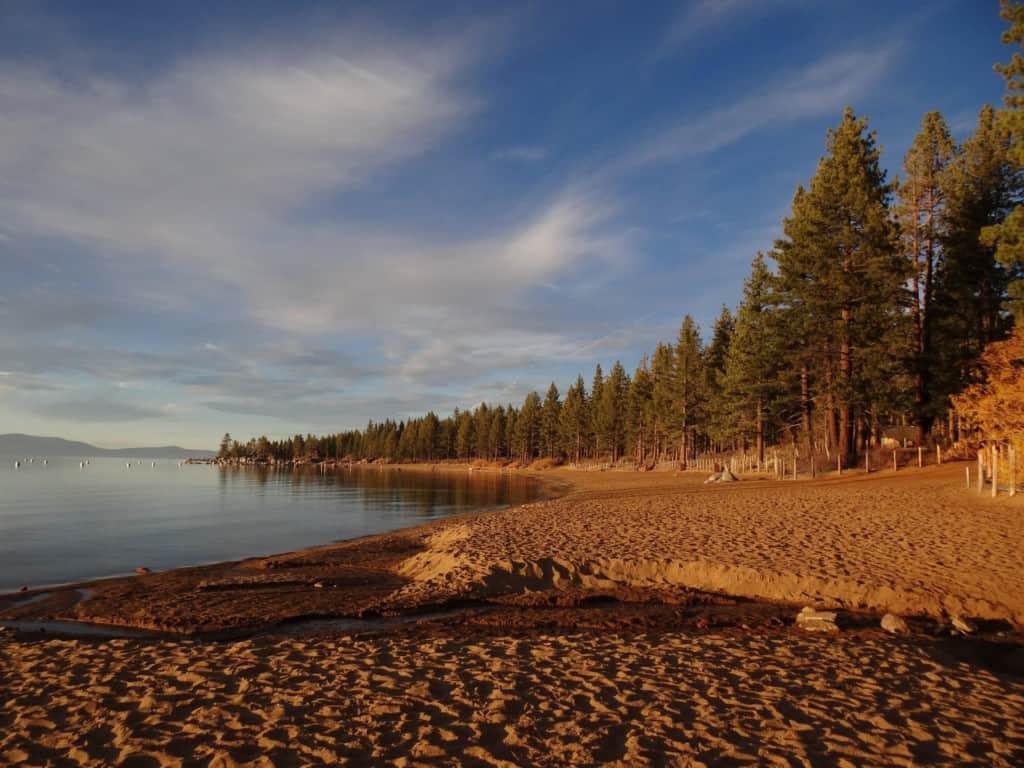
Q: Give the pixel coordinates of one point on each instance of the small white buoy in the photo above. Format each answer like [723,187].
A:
[17,464]
[46,461]
[153,464]
[128,465]
[81,465]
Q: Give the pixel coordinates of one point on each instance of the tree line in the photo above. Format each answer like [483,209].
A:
[870,310]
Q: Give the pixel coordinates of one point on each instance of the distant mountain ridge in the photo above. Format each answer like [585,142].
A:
[33,445]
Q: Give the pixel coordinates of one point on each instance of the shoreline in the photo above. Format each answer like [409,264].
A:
[483,556]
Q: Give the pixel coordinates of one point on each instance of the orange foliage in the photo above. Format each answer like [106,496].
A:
[996,404]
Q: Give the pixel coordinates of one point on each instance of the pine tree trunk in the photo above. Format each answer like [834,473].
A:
[846,379]
[805,403]
[760,431]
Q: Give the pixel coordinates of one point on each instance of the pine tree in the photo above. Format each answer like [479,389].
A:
[573,421]
[431,432]
[609,411]
[482,430]
[465,437]
[980,187]
[596,387]
[496,448]
[550,421]
[640,414]
[751,380]
[840,271]
[663,397]
[921,216]
[528,428]
[1008,235]
[690,384]
[719,417]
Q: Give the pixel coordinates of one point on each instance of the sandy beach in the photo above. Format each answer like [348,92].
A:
[609,625]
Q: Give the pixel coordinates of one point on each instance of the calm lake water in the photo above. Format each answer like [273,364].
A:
[61,523]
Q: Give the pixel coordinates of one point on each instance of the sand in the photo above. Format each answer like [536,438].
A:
[911,542]
[538,700]
[671,683]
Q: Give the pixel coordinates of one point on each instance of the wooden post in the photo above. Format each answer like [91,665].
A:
[967,471]
[867,462]
[814,469]
[839,464]
[938,454]
[1013,470]
[920,457]
[895,466]
[981,472]
[995,470]
[794,466]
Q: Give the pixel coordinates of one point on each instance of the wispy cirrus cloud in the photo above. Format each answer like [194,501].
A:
[702,21]
[187,164]
[823,87]
[187,193]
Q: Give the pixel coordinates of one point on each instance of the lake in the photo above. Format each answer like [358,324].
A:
[62,523]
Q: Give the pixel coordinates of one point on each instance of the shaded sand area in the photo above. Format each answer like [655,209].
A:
[606,626]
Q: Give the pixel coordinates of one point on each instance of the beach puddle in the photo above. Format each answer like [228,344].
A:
[77,630]
[297,628]
[376,624]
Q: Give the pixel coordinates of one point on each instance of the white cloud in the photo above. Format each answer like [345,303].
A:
[190,185]
[192,162]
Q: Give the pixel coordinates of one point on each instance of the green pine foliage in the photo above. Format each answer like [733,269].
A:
[1007,234]
[841,273]
[751,385]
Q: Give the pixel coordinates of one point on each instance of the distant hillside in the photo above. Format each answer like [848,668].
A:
[32,445]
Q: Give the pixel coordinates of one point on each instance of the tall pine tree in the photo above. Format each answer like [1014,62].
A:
[839,266]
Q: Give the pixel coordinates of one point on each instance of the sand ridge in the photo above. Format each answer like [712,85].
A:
[914,542]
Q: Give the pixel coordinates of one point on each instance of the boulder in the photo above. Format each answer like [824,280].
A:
[142,570]
[894,624]
[714,478]
[817,621]
[727,477]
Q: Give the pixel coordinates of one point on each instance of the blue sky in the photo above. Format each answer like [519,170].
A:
[280,217]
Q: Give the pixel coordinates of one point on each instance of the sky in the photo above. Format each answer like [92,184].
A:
[270,218]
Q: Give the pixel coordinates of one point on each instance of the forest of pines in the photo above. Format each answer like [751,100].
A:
[870,311]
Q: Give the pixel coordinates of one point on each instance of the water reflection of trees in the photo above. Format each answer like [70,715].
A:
[419,493]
